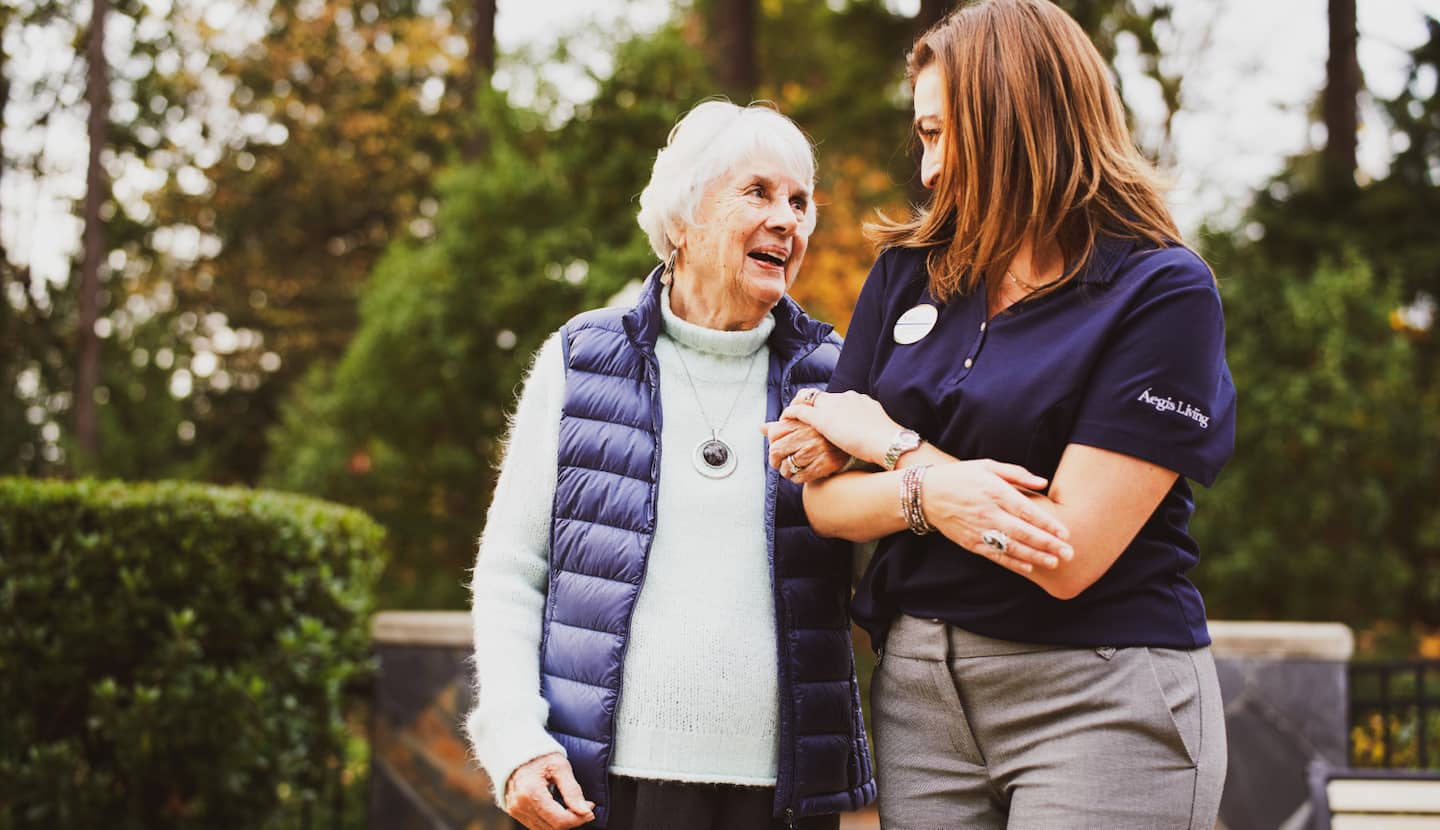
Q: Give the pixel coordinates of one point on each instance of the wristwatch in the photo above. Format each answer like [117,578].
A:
[904,441]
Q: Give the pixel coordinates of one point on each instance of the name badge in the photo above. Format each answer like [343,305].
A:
[914,324]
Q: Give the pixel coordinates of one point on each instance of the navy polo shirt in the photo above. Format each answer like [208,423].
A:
[1128,357]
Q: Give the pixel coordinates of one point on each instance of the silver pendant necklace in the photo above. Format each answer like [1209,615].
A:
[713,458]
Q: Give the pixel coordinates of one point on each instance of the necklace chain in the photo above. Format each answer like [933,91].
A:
[1025,285]
[714,432]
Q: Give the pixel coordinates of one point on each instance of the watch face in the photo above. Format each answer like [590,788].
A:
[909,440]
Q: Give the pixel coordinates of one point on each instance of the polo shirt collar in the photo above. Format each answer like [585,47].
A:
[1110,252]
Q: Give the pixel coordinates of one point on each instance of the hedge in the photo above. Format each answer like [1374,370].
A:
[175,655]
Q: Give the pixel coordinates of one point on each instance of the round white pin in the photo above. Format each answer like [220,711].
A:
[915,323]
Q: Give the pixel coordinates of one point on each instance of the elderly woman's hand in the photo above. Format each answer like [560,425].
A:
[800,452]
[965,500]
[853,422]
[529,801]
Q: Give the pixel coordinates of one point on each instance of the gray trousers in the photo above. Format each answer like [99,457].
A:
[972,732]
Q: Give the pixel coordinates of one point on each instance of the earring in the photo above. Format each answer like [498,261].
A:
[668,275]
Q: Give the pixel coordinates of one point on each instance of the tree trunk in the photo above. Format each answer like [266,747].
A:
[87,372]
[5,15]
[930,13]
[1342,89]
[482,68]
[732,47]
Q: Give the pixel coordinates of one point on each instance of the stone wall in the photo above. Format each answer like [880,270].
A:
[1284,684]
[421,776]
[1286,692]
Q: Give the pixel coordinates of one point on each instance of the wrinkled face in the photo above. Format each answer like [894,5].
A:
[930,121]
[749,237]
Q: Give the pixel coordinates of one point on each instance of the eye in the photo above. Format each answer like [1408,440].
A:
[756,190]
[799,203]
[928,134]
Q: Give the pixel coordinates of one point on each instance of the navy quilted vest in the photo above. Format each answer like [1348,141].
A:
[601,529]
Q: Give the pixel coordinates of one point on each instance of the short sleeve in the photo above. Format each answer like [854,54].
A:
[867,322]
[1161,390]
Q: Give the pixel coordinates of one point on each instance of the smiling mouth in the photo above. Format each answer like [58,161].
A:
[768,258]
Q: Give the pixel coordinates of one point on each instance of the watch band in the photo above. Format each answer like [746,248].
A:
[904,441]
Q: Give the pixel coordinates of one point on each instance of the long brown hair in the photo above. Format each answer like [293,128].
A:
[1035,147]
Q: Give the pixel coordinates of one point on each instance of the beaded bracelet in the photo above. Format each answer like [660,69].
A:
[911,487]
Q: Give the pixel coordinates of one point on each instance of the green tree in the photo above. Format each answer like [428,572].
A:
[325,144]
[42,327]
[1326,511]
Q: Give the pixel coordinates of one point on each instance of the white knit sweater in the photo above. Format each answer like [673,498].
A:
[699,701]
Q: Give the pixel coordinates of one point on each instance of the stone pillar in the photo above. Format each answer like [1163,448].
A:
[421,775]
[1286,693]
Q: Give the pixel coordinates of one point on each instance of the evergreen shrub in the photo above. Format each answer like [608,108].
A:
[176,655]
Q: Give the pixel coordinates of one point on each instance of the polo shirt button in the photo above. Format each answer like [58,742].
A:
[969,363]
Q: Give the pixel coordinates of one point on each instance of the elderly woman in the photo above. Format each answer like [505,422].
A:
[660,638]
[1038,348]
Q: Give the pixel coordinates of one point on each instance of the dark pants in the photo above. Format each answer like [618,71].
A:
[668,805]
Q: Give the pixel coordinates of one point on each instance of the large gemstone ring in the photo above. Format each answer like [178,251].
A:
[996,539]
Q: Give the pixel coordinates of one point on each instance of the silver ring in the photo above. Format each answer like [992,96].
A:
[997,540]
[794,468]
[807,396]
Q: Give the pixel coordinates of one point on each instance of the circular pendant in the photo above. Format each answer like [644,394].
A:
[714,458]
[914,324]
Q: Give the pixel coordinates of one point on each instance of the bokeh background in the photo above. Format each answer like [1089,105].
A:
[310,245]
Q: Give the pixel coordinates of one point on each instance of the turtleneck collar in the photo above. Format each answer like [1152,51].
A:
[714,341]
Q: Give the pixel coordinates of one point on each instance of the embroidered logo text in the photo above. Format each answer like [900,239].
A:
[1180,408]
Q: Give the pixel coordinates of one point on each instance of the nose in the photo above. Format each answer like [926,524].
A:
[929,169]
[782,217]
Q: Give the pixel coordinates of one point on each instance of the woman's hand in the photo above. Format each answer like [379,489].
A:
[800,452]
[966,499]
[528,799]
[853,422]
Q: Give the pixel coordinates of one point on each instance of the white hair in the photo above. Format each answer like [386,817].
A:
[708,142]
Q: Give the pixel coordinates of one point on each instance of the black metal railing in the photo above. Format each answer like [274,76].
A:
[1395,714]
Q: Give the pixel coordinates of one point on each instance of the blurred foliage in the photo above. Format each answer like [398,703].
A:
[323,292]
[334,123]
[195,642]
[1329,509]
[284,144]
[407,424]
[38,323]
[1322,512]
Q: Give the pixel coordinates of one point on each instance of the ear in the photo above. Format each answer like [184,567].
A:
[675,230]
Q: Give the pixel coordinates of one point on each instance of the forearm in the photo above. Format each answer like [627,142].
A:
[856,506]
[964,500]
[1104,498]
[507,724]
